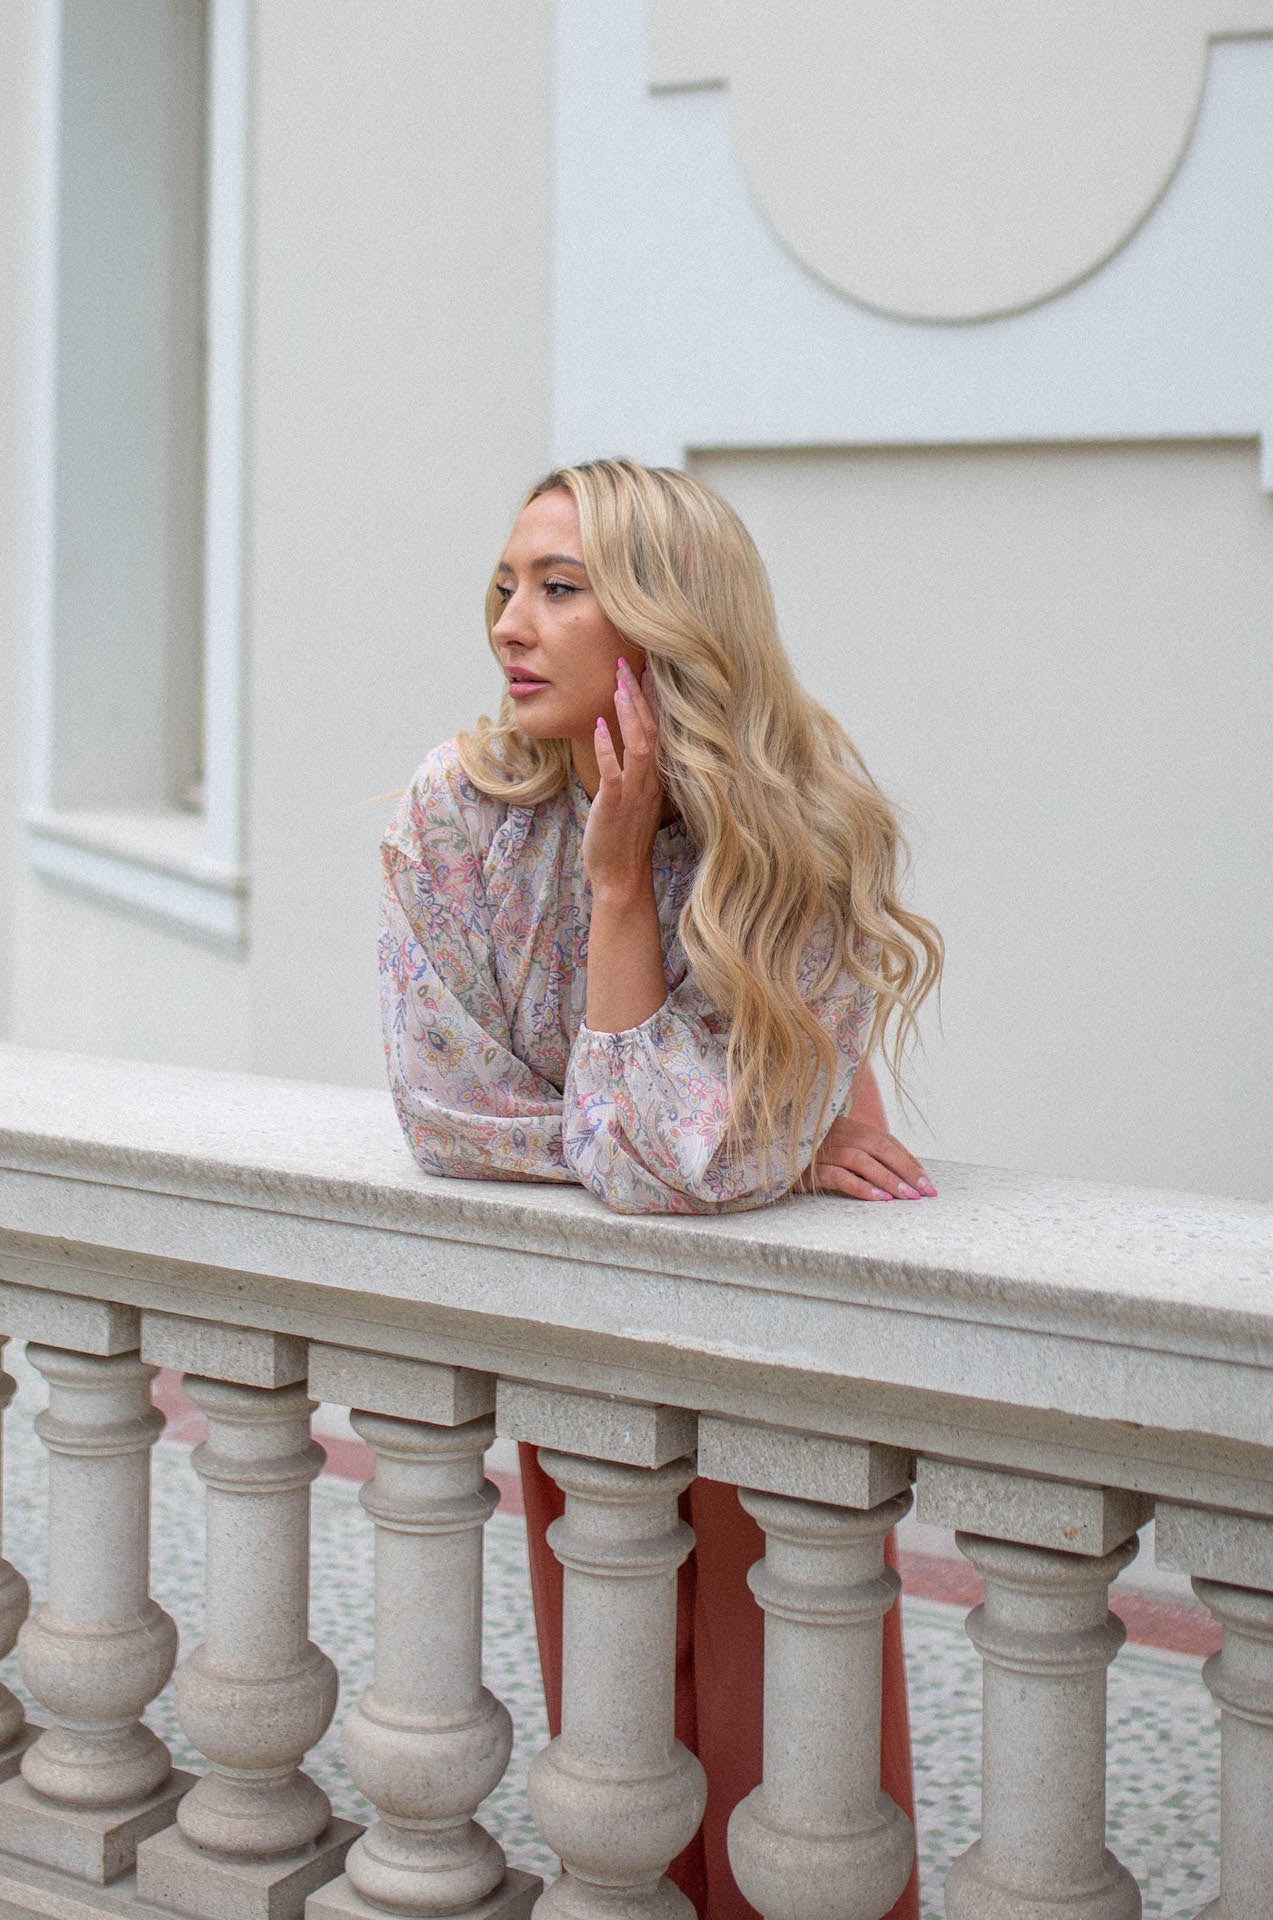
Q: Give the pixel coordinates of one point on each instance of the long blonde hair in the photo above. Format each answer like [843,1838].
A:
[789,826]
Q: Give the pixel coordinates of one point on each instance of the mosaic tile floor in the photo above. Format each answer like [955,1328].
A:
[1163,1768]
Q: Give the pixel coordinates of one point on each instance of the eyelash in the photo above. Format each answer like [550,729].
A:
[551,587]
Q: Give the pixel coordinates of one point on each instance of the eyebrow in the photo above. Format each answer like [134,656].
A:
[546,560]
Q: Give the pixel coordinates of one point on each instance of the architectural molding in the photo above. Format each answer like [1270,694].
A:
[953,163]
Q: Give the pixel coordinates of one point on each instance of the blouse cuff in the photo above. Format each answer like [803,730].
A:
[617,1046]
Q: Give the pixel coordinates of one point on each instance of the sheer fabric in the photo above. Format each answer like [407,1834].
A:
[496,1074]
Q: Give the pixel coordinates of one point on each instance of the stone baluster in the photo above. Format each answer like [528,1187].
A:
[15,1735]
[1046,1637]
[1047,1550]
[1231,1557]
[1240,1678]
[616,1795]
[255,1834]
[427,1742]
[99,1649]
[819,1839]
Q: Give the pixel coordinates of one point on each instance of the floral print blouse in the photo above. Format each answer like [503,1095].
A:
[495,1074]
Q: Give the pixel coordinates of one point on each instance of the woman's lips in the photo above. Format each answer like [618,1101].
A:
[519,687]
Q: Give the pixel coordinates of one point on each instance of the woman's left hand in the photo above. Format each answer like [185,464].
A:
[618,841]
[866,1163]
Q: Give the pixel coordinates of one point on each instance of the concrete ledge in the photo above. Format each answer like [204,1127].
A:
[1108,1336]
[598,1425]
[513,1899]
[808,1466]
[95,1844]
[1032,1512]
[1231,1547]
[173,1874]
[406,1389]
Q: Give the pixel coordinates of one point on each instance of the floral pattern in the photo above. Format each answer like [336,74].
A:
[494,1071]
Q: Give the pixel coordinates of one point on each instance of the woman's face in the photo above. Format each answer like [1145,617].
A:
[557,647]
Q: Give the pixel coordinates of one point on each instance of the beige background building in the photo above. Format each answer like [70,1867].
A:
[297,301]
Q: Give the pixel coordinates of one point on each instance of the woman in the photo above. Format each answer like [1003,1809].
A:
[643,933]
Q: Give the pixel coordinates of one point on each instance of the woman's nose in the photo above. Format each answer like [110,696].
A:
[511,621]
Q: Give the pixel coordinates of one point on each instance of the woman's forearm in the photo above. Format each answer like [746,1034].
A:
[625,960]
[867,1104]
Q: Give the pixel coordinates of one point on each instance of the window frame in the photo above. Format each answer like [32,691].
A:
[183,868]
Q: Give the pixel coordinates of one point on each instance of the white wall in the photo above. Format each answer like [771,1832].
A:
[1071,600]
[1074,626]
[397,406]
[18,246]
[683,319]
[1057,662]
[400,407]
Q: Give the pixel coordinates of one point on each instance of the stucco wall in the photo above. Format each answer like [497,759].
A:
[397,405]
[1055,660]
[1050,649]
[16,229]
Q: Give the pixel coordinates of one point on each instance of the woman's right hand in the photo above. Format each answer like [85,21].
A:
[618,841]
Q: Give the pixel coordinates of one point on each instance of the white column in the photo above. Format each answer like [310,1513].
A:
[427,1742]
[99,1649]
[1240,1677]
[1046,1637]
[616,1794]
[819,1839]
[258,1693]
[15,1735]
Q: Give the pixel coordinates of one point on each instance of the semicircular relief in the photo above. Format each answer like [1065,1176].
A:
[952,159]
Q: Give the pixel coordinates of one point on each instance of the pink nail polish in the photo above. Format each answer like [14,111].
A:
[878,1193]
[909,1192]
[927,1187]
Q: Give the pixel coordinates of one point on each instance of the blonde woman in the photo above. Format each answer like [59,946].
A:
[643,933]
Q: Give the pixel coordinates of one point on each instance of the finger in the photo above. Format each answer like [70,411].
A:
[903,1163]
[651,694]
[829,1178]
[869,1165]
[634,714]
[607,759]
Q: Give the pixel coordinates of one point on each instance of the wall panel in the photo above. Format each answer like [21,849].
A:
[1056,661]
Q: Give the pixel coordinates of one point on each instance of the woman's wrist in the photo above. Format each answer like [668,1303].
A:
[625,958]
[633,894]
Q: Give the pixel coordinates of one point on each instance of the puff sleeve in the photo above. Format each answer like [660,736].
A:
[646,1109]
[468,1106]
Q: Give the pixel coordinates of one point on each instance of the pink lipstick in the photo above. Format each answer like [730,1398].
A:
[521,683]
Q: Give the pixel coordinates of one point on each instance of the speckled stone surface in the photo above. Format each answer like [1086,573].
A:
[1107,1336]
[1114,1336]
[1164,1754]
[330,1149]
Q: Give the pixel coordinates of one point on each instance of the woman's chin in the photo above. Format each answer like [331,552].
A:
[538,720]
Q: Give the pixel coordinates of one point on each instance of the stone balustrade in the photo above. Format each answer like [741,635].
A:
[1046,1363]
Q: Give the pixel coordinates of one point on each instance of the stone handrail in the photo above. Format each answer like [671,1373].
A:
[1049,1361]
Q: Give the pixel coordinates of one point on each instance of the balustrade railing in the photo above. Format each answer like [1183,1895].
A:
[1047,1363]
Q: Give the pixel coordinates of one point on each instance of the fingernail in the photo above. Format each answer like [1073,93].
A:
[909,1191]
[878,1193]
[926,1186]
[601,725]
[623,665]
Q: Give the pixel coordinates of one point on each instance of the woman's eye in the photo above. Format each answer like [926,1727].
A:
[554,588]
[502,592]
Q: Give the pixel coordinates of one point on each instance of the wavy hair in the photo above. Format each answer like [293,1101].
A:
[789,825]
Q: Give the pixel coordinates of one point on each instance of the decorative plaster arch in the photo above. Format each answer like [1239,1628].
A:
[952,160]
